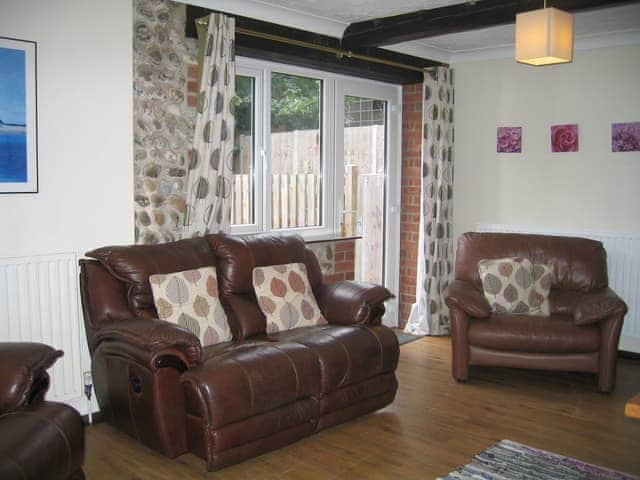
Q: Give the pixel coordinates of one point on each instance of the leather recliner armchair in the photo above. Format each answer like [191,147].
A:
[38,440]
[581,333]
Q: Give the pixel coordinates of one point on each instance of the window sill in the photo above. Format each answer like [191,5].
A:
[331,238]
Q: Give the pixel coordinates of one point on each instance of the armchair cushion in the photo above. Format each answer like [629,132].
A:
[350,302]
[467,297]
[22,365]
[597,305]
[154,336]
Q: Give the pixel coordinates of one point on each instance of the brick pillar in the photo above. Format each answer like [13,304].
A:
[411,184]
[344,262]
[192,85]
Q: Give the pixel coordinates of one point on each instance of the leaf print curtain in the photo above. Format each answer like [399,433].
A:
[209,185]
[430,315]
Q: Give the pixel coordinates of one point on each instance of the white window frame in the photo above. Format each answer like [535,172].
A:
[262,125]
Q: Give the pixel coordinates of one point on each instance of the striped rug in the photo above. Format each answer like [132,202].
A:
[507,460]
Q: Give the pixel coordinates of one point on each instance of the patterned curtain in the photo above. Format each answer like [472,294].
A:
[210,176]
[430,315]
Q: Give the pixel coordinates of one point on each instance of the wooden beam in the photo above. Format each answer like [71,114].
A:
[307,49]
[453,19]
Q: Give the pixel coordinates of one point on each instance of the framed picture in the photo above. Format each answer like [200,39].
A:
[18,117]
[509,140]
[625,137]
[564,138]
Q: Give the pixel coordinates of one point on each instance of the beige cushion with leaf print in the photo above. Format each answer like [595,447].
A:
[190,299]
[285,297]
[508,285]
[542,277]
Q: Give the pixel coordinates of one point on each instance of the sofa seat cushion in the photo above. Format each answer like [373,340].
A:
[238,380]
[44,441]
[534,334]
[346,354]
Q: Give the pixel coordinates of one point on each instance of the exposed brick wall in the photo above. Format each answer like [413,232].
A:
[192,85]
[344,262]
[411,181]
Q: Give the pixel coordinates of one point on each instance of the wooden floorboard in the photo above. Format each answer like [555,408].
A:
[434,425]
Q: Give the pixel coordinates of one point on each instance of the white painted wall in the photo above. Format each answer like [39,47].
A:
[593,189]
[85,139]
[85,128]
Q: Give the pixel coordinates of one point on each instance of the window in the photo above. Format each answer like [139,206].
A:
[295,151]
[243,201]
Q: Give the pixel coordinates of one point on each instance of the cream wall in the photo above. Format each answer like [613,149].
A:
[593,189]
[84,127]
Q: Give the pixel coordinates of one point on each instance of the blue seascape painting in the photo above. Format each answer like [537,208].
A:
[13,129]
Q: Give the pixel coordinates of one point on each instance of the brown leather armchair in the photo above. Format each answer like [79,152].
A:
[38,440]
[582,332]
[237,399]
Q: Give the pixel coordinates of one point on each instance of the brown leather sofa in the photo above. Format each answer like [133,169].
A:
[38,440]
[234,400]
[582,332]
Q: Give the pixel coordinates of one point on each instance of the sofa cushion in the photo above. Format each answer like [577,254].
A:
[190,299]
[578,263]
[285,297]
[346,354]
[534,334]
[237,256]
[134,264]
[239,380]
[542,279]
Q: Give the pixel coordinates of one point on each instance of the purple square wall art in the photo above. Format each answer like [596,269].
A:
[564,138]
[625,137]
[509,140]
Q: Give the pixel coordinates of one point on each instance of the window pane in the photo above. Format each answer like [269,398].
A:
[242,205]
[296,151]
[364,183]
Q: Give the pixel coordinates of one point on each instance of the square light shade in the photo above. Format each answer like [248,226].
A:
[544,37]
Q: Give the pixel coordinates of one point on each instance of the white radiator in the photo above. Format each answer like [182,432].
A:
[39,302]
[623,260]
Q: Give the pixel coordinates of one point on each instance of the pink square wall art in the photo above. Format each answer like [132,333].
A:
[509,140]
[564,138]
[625,137]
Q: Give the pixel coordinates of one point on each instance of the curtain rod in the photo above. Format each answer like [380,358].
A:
[299,43]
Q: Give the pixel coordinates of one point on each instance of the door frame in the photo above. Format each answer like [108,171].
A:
[392,94]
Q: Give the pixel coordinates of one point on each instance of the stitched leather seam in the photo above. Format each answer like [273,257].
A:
[293,366]
[246,376]
[381,367]
[347,373]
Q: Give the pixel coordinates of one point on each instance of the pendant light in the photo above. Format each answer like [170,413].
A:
[544,37]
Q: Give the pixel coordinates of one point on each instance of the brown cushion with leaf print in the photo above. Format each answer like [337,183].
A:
[285,297]
[509,286]
[190,299]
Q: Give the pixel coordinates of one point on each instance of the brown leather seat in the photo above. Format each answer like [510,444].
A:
[238,399]
[38,439]
[580,334]
[523,333]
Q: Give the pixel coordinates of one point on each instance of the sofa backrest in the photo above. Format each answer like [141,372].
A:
[578,263]
[132,265]
[237,256]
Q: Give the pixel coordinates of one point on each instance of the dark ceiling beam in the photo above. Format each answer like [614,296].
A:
[454,19]
[353,63]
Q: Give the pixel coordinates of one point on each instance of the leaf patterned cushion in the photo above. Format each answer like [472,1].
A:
[190,299]
[515,285]
[285,297]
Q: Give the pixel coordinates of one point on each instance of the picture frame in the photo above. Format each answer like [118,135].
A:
[509,139]
[18,116]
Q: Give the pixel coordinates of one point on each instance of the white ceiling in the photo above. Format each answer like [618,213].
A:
[603,27]
[349,11]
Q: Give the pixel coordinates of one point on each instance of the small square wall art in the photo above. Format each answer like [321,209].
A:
[564,138]
[625,137]
[509,140]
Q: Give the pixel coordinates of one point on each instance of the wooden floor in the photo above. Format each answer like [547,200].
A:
[434,425]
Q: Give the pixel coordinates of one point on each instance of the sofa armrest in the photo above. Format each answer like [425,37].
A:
[349,302]
[153,336]
[598,305]
[468,298]
[23,376]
